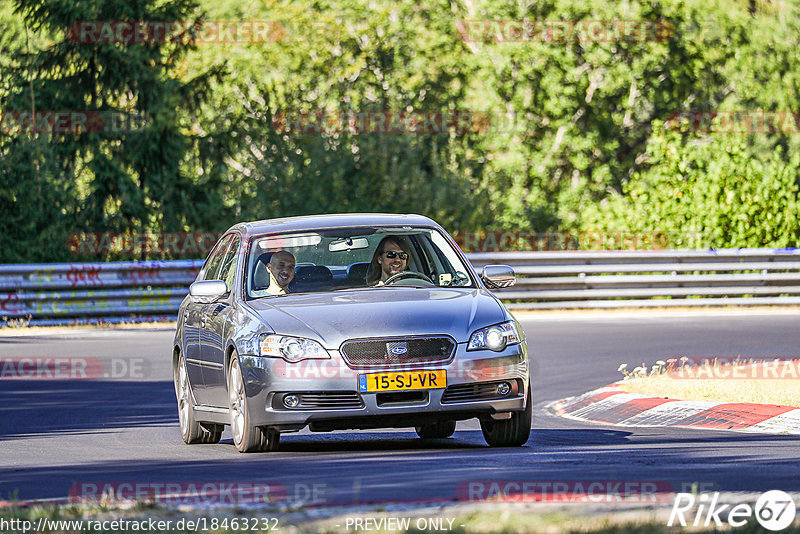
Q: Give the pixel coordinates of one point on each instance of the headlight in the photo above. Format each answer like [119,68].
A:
[495,338]
[292,349]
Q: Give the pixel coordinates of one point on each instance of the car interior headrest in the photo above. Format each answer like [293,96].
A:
[357,272]
[260,273]
[313,274]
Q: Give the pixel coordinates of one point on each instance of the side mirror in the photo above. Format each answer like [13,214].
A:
[498,276]
[207,291]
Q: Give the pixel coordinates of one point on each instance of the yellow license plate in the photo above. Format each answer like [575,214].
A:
[402,381]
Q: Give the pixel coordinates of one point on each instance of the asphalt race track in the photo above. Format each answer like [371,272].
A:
[123,428]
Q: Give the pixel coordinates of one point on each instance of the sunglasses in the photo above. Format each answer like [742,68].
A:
[391,254]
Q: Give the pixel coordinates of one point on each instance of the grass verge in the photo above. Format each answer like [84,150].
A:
[508,520]
[13,330]
[718,380]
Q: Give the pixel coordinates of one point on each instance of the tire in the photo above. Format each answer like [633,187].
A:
[512,432]
[246,437]
[441,430]
[192,431]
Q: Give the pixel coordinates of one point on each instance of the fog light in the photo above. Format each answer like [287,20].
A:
[503,388]
[291,401]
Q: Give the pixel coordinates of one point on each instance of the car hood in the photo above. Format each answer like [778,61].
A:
[335,317]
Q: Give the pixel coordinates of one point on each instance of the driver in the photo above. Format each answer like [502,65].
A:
[390,258]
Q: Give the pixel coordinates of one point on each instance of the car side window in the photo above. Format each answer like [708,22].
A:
[228,271]
[212,265]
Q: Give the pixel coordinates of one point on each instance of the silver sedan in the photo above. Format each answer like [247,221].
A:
[339,322]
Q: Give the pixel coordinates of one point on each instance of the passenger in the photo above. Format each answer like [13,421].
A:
[281,272]
[390,258]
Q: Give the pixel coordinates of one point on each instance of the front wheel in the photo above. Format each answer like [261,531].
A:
[191,431]
[440,430]
[513,432]
[246,437]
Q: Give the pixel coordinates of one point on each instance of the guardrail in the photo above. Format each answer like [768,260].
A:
[66,293]
[48,294]
[615,279]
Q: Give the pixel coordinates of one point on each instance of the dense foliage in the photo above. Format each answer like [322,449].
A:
[589,140]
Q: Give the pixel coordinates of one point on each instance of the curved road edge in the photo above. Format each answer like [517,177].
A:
[611,405]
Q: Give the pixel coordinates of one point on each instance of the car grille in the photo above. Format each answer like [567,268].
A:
[361,353]
[476,392]
[326,400]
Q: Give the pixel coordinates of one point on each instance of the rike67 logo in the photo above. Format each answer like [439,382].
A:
[774,510]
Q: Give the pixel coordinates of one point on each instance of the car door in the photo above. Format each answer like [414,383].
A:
[194,326]
[191,345]
[217,323]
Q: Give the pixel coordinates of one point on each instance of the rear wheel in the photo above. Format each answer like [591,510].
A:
[512,432]
[246,437]
[440,430]
[191,431]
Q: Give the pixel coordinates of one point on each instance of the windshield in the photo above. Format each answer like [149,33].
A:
[352,258]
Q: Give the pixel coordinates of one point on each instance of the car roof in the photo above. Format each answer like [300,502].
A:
[336,220]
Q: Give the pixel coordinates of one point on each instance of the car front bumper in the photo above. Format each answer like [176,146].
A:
[338,403]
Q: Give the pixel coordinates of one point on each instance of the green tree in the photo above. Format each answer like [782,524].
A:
[587,148]
[708,193]
[339,57]
[114,177]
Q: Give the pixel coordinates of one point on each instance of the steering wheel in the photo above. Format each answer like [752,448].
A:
[407,274]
